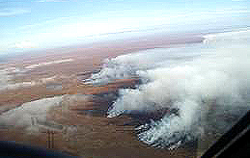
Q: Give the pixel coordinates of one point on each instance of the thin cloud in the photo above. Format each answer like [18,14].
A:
[6,12]
[44,23]
[25,44]
[238,0]
[43,1]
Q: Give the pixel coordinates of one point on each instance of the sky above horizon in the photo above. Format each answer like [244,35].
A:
[37,24]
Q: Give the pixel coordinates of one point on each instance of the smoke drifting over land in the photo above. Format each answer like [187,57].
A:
[29,114]
[8,74]
[192,79]
[129,65]
[32,115]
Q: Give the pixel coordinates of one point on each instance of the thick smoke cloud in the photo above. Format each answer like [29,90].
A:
[129,65]
[195,79]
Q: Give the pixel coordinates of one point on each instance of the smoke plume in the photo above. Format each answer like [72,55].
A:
[206,80]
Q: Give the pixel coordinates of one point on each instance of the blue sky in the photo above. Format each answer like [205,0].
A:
[37,24]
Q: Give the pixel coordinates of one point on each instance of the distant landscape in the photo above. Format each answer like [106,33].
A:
[123,79]
[56,80]
[77,96]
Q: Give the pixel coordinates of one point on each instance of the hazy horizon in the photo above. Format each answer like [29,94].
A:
[40,24]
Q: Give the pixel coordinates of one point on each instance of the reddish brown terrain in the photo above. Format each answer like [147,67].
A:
[96,135]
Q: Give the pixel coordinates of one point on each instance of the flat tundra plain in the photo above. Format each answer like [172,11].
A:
[83,127]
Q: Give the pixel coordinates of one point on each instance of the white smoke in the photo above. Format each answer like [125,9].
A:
[128,65]
[192,79]
[33,66]
[8,74]
[29,113]
[33,115]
